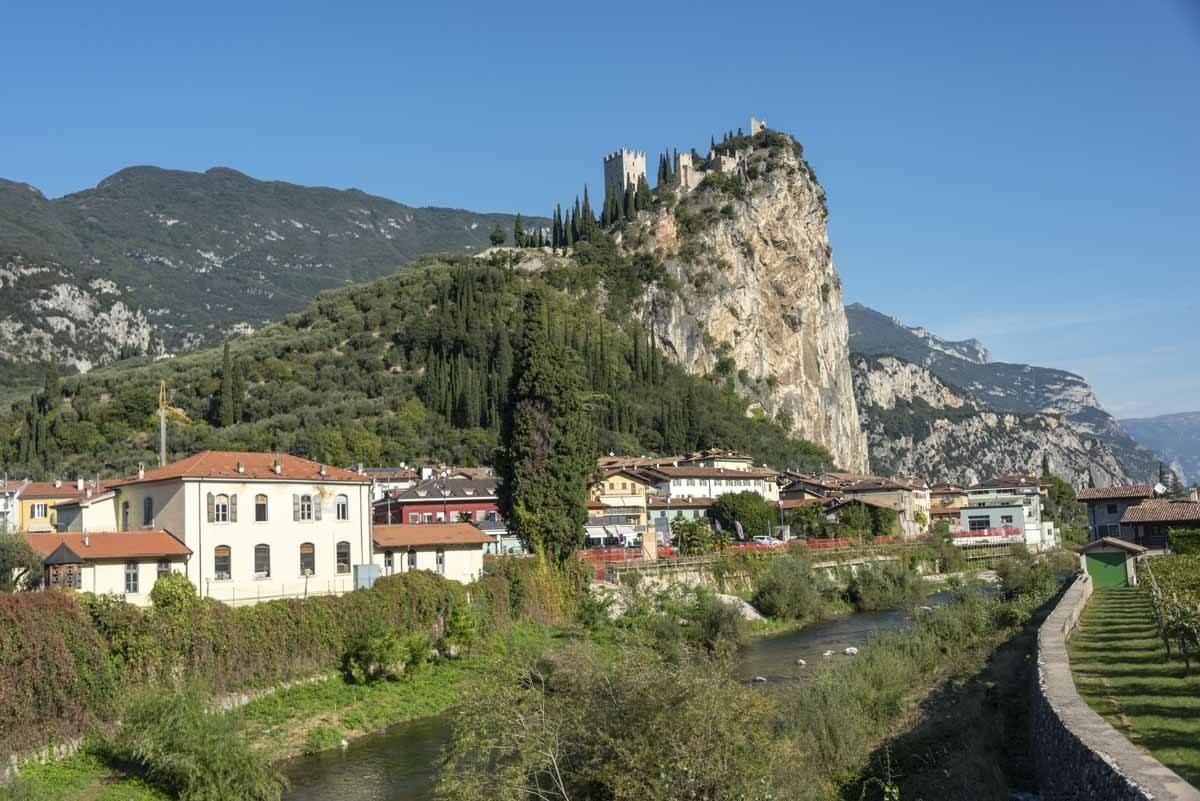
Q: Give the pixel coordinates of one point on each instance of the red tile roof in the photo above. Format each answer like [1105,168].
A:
[664,503]
[1116,492]
[402,535]
[259,466]
[709,472]
[1163,510]
[110,544]
[40,490]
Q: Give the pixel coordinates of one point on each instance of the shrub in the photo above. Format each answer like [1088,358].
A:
[322,738]
[716,625]
[789,590]
[1185,541]
[883,586]
[415,650]
[177,745]
[371,655]
[174,594]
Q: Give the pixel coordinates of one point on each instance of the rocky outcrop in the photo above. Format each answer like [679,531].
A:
[753,293]
[917,424]
[1020,389]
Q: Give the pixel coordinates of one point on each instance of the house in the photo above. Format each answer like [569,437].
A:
[835,510]
[389,479]
[680,481]
[1111,562]
[453,550]
[805,486]
[440,500]
[9,514]
[37,501]
[1149,522]
[622,493]
[117,562]
[718,458]
[93,512]
[1107,505]
[945,501]
[909,497]
[259,525]
[1004,504]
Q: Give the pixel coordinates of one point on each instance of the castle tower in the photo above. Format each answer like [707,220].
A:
[757,125]
[624,167]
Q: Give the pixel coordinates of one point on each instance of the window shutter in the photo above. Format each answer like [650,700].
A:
[295,507]
[316,506]
[233,508]
[212,514]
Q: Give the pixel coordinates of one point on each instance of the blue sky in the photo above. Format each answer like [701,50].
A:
[1027,173]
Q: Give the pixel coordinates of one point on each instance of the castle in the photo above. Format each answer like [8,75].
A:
[624,167]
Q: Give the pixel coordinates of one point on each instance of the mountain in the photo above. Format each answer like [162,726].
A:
[161,261]
[1174,437]
[751,289]
[919,425]
[1019,389]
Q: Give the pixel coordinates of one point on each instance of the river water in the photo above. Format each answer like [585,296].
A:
[400,763]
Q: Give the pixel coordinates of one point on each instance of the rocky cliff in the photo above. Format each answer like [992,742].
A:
[160,261]
[753,292]
[1021,389]
[917,424]
[1174,437]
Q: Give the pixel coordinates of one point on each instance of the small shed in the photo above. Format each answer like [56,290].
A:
[1111,562]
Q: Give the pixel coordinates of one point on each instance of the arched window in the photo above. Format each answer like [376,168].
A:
[262,561]
[389,564]
[441,562]
[343,507]
[221,509]
[260,508]
[306,507]
[308,559]
[147,511]
[412,559]
[221,562]
[343,557]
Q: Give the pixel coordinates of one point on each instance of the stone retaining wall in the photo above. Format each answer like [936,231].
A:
[1079,755]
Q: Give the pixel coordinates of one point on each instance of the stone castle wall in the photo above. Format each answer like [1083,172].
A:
[624,167]
[1079,755]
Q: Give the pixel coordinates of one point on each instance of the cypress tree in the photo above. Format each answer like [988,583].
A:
[630,200]
[52,388]
[225,416]
[519,231]
[576,222]
[238,388]
[546,456]
[642,199]
[589,219]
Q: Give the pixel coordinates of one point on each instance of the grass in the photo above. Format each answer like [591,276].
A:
[1122,671]
[82,777]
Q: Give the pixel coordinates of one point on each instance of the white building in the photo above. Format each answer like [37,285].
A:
[453,550]
[687,481]
[10,519]
[120,562]
[1002,506]
[259,525]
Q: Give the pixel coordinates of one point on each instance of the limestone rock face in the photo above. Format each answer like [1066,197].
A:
[917,424]
[754,282]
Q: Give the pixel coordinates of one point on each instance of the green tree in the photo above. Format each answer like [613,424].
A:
[546,453]
[225,408]
[691,537]
[20,566]
[497,236]
[748,508]
[857,518]
[52,389]
[885,522]
[519,231]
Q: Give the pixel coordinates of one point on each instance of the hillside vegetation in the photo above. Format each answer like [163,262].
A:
[410,367]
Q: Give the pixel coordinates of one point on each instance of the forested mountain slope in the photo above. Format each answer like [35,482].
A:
[161,261]
[405,368]
[1174,437]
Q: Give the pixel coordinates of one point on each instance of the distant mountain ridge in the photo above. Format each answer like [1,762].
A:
[161,261]
[1020,389]
[1174,437]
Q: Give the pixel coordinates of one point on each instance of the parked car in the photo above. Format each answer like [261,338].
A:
[763,539]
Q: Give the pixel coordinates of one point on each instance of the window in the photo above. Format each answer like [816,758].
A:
[343,557]
[37,510]
[260,508]
[164,568]
[308,559]
[131,577]
[1111,509]
[262,561]
[441,517]
[306,507]
[978,523]
[221,562]
[481,515]
[441,562]
[691,482]
[125,516]
[343,507]
[414,517]
[412,559]
[1113,530]
[429,517]
[221,510]
[389,564]
[147,512]
[1006,519]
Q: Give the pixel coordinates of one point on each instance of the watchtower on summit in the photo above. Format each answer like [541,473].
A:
[623,168]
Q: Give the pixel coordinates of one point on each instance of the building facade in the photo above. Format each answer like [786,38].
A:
[109,562]
[685,481]
[1106,506]
[452,550]
[441,500]
[910,499]
[1005,503]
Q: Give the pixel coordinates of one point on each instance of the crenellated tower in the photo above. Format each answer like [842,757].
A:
[624,167]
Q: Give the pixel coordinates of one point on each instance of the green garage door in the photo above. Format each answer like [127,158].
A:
[1107,569]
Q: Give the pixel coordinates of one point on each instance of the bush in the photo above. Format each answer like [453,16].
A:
[415,650]
[1185,541]
[174,594]
[182,748]
[716,625]
[886,585]
[322,738]
[372,655]
[789,590]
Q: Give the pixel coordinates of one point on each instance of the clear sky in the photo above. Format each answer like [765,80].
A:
[1027,173]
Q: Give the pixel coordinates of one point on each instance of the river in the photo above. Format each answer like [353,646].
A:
[400,763]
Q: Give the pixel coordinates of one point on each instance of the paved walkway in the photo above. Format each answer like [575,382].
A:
[1121,670]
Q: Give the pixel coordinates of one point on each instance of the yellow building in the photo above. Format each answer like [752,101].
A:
[623,493]
[36,502]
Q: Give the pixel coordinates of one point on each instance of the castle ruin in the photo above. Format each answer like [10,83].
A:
[624,167]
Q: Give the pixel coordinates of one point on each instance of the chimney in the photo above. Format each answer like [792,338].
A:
[323,471]
[141,471]
[241,468]
[79,484]
[277,467]
[86,539]
[57,483]
[1194,493]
